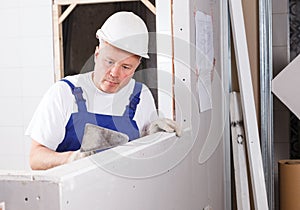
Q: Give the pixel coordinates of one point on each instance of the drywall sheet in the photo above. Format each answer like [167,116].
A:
[207,126]
[209,52]
[286,86]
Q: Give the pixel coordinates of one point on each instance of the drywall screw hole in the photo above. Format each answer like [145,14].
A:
[183,79]
[26,199]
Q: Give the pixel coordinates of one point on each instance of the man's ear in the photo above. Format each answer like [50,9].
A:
[96,53]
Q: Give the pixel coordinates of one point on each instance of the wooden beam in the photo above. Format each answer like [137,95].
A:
[68,2]
[66,13]
[57,42]
[150,6]
[73,3]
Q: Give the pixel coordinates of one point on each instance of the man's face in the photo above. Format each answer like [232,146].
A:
[113,68]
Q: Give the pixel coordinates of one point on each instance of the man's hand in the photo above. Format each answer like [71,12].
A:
[76,155]
[164,124]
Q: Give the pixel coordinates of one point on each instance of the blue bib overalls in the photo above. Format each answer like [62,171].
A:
[75,126]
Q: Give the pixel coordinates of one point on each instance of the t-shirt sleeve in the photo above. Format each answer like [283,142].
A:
[47,126]
[146,110]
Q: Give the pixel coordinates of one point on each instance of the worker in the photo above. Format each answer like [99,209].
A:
[108,97]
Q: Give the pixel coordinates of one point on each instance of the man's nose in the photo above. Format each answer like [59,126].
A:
[115,71]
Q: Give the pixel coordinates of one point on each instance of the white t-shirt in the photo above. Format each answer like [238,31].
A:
[52,115]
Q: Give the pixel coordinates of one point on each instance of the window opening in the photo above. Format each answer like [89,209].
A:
[78,39]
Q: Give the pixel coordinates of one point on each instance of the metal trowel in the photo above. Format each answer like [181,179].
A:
[99,138]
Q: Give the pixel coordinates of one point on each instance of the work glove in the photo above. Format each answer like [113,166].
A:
[164,124]
[76,155]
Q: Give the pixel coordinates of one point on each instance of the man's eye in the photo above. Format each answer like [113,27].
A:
[126,67]
[109,62]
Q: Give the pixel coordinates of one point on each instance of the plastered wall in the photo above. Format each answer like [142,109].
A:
[26,68]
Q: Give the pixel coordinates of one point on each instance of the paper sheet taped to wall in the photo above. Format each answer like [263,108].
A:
[204,58]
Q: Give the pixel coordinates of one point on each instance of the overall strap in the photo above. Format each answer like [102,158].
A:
[77,92]
[134,100]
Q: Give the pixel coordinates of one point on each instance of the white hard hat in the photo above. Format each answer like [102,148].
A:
[126,31]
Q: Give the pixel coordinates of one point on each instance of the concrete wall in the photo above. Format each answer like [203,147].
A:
[26,68]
